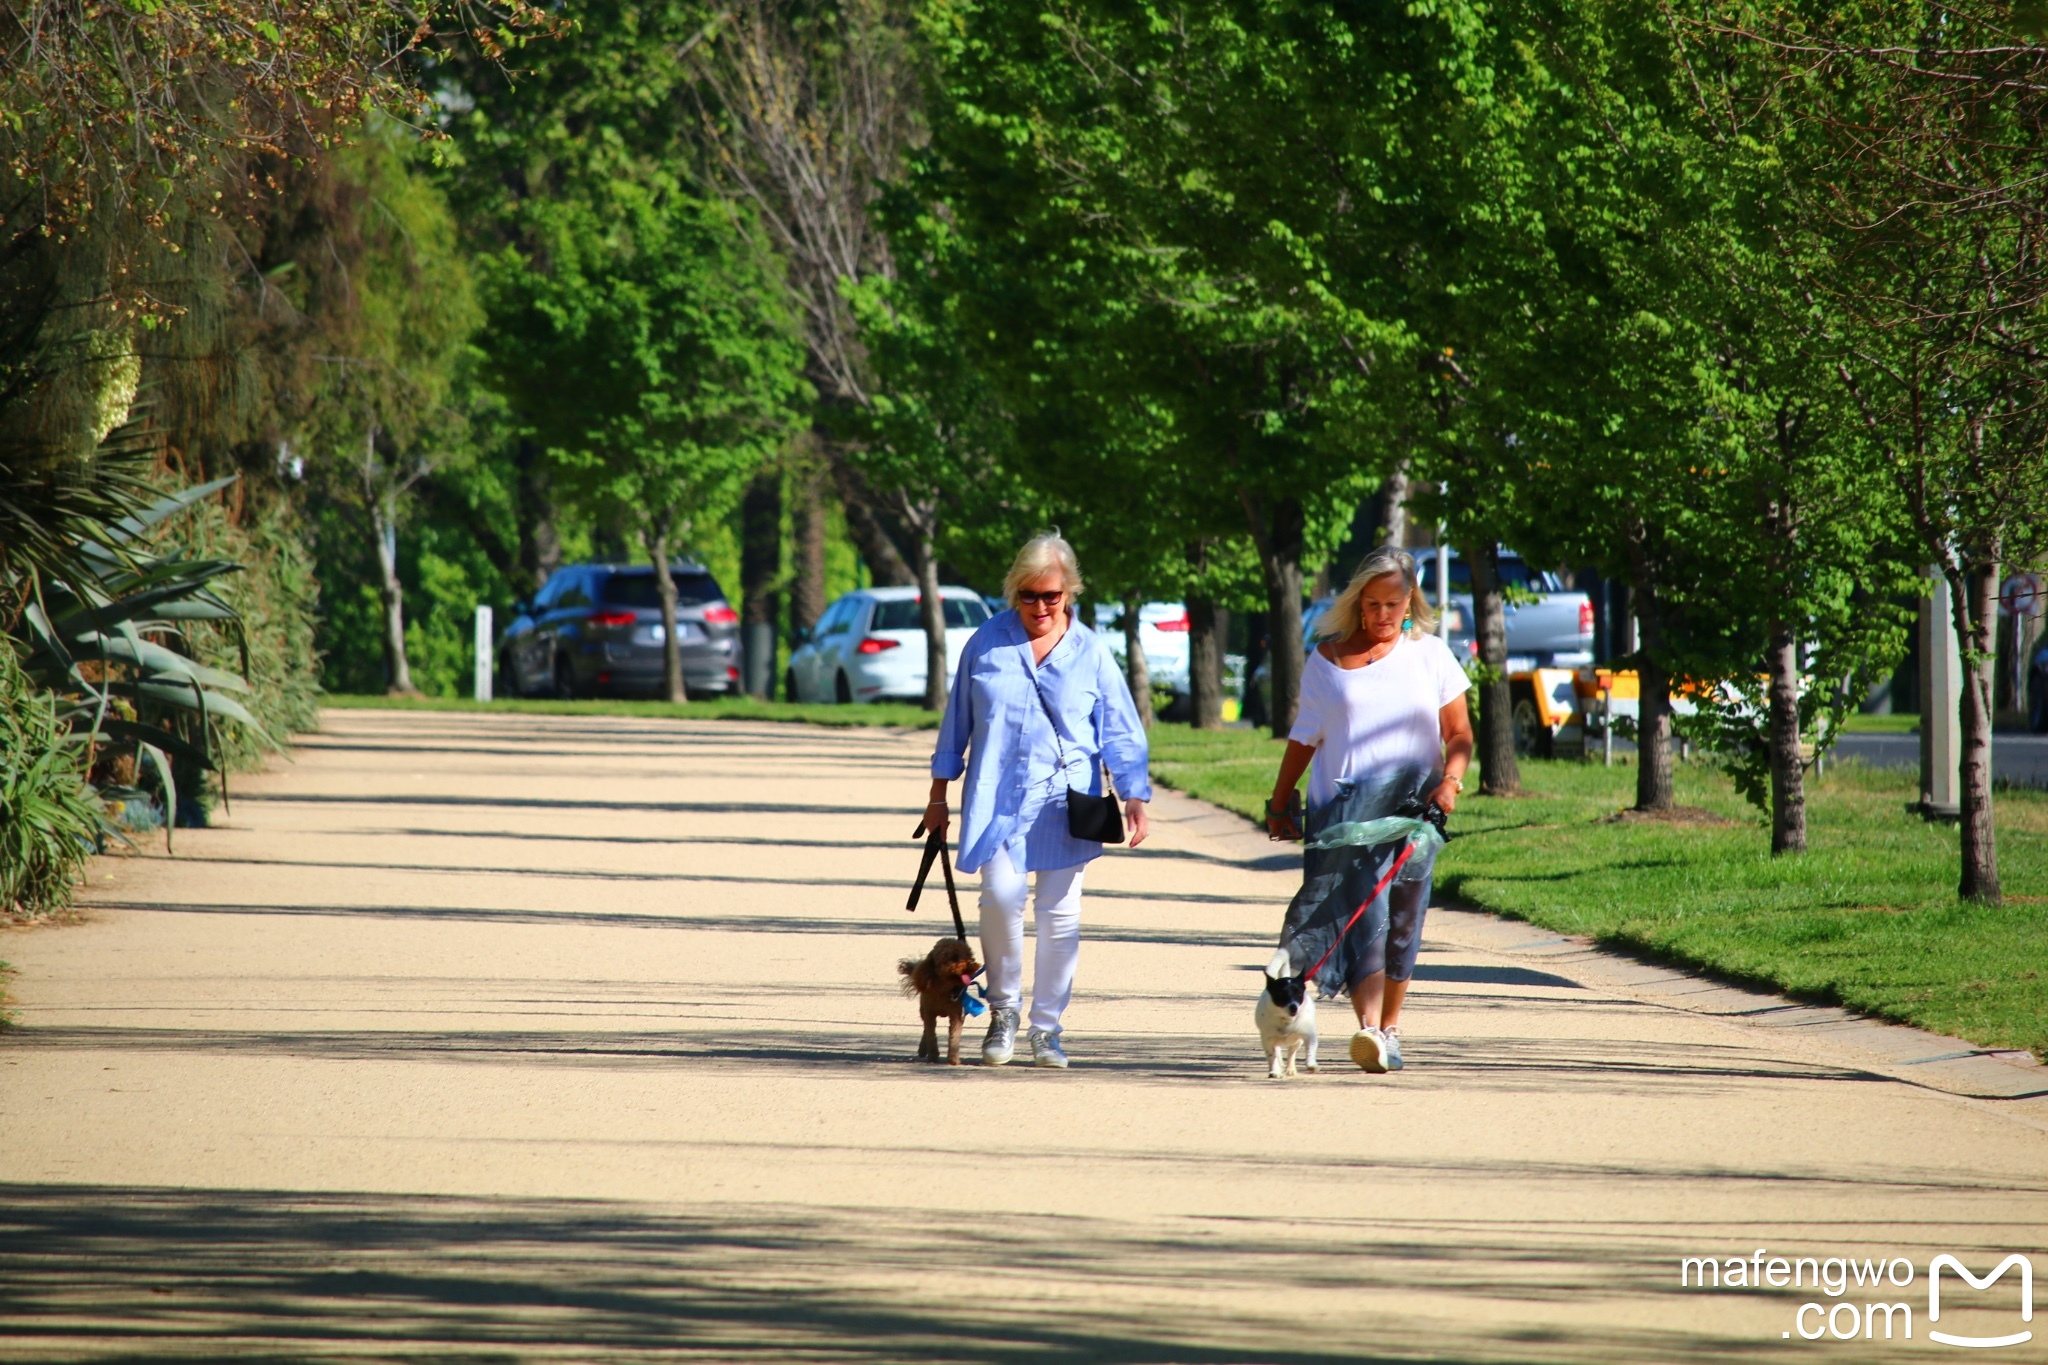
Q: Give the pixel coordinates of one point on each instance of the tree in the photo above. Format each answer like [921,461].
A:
[651,356]
[380,417]
[1916,219]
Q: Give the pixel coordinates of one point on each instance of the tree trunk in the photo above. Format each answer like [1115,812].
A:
[656,542]
[1500,775]
[807,593]
[760,568]
[1393,513]
[1280,549]
[1205,664]
[1788,771]
[1976,611]
[540,544]
[1137,672]
[397,671]
[1653,736]
[931,613]
[864,524]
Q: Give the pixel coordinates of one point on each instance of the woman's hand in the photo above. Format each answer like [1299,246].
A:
[1137,821]
[1446,794]
[936,816]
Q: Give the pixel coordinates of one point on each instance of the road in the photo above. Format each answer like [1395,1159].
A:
[486,1037]
[2019,759]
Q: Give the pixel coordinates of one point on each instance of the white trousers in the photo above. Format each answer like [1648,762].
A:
[1057,910]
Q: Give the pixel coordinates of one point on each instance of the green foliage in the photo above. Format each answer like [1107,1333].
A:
[643,340]
[50,820]
[269,639]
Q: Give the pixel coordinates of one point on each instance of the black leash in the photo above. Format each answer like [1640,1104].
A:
[935,847]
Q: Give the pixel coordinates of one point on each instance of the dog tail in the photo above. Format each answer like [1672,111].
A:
[907,969]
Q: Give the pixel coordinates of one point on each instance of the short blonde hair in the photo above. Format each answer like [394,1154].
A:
[1041,555]
[1341,620]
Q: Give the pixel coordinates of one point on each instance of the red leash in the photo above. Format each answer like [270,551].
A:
[1310,974]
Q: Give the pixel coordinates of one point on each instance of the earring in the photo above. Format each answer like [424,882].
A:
[1407,622]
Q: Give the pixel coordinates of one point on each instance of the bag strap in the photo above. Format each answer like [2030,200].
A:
[935,847]
[1054,721]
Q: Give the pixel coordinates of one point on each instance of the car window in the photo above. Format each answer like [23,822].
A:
[905,614]
[693,589]
[840,617]
[1461,573]
[575,592]
[900,614]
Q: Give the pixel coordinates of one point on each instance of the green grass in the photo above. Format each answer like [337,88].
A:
[1881,725]
[724,708]
[1868,918]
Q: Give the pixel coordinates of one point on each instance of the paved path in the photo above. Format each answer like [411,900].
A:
[558,1039]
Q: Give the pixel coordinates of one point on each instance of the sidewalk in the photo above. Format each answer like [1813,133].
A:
[568,1039]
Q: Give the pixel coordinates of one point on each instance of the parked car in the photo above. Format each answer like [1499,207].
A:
[2037,693]
[1162,634]
[869,646]
[1553,631]
[595,629]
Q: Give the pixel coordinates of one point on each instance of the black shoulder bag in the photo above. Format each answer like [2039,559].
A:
[1088,816]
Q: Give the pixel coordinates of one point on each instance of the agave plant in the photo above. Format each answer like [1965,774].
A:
[94,638]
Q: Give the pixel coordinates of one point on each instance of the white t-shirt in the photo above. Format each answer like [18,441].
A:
[1384,715]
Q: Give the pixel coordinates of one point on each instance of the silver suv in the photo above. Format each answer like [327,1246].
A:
[595,629]
[1554,630]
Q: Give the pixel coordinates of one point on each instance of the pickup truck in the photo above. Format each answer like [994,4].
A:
[1553,631]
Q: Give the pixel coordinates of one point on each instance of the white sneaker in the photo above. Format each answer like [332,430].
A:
[1393,1038]
[1369,1050]
[1001,1043]
[1045,1049]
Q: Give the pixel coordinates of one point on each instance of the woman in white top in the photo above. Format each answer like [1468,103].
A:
[1383,717]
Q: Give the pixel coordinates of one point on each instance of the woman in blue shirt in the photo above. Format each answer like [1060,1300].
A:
[1038,706]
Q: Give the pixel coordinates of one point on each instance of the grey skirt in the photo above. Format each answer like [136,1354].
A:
[1335,880]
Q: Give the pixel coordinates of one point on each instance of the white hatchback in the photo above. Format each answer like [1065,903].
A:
[869,646]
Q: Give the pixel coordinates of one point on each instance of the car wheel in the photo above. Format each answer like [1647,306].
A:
[1532,736]
[565,681]
[842,690]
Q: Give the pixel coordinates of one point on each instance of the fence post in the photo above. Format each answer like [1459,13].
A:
[482,690]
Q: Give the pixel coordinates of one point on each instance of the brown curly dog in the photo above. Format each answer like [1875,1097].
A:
[938,980]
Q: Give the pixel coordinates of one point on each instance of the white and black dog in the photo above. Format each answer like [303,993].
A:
[1286,1015]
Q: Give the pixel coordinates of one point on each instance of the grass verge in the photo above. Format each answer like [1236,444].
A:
[723,708]
[1868,918]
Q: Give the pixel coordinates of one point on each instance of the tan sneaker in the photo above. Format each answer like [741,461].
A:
[1369,1050]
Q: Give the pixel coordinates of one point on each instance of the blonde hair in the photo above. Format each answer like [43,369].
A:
[1341,620]
[1040,556]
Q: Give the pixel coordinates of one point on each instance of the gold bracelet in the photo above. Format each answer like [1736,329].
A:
[1460,781]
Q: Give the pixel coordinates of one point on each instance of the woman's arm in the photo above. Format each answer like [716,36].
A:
[1123,744]
[949,754]
[1293,764]
[1454,721]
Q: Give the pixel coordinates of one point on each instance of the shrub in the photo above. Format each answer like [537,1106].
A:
[49,819]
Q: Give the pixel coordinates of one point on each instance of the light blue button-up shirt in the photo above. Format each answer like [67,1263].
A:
[999,736]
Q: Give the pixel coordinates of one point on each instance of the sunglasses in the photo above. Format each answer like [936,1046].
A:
[1038,599]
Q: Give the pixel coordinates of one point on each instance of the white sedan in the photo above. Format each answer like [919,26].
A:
[869,646]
